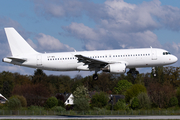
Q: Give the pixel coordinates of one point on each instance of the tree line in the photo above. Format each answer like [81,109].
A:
[141,90]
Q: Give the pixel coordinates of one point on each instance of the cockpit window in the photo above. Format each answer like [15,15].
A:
[166,53]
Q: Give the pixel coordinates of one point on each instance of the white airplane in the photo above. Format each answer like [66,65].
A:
[114,61]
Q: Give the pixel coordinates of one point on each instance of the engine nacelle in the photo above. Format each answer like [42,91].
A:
[115,68]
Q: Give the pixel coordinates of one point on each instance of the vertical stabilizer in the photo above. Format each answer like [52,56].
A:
[18,45]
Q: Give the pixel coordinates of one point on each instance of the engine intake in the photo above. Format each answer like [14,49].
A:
[115,68]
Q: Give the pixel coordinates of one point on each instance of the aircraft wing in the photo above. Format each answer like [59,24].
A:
[91,61]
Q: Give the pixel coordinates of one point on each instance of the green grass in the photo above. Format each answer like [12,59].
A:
[40,111]
[90,119]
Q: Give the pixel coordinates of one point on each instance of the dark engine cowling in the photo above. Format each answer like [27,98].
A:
[115,68]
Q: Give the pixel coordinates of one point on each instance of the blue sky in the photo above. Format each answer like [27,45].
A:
[65,25]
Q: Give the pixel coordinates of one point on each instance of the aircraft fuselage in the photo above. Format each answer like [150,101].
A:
[66,61]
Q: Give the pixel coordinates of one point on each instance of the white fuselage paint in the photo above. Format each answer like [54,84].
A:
[66,61]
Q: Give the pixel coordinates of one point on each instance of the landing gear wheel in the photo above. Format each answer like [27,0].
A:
[95,77]
[154,71]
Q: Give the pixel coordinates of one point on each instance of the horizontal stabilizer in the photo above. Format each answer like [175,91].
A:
[17,59]
[14,59]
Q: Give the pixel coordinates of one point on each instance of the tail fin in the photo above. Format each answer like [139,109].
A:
[17,43]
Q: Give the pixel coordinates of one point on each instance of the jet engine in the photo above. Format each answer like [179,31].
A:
[115,68]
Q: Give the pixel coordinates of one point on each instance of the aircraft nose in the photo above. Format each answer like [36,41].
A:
[175,59]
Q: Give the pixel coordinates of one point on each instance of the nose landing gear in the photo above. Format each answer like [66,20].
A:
[95,76]
[154,71]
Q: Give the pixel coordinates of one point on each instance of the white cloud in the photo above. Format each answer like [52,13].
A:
[119,24]
[7,22]
[148,15]
[11,68]
[168,17]
[58,8]
[83,32]
[175,47]
[49,43]
[15,68]
[5,50]
[125,25]
[146,39]
[32,44]
[124,17]
[106,39]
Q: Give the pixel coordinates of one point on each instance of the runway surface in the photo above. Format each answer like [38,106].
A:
[90,117]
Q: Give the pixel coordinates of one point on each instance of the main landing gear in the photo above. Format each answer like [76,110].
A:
[95,76]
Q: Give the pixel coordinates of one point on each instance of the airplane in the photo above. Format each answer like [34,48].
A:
[113,61]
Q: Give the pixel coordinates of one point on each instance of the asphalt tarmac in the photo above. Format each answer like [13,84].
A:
[91,117]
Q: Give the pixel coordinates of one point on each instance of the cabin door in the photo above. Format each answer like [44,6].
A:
[39,60]
[154,54]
